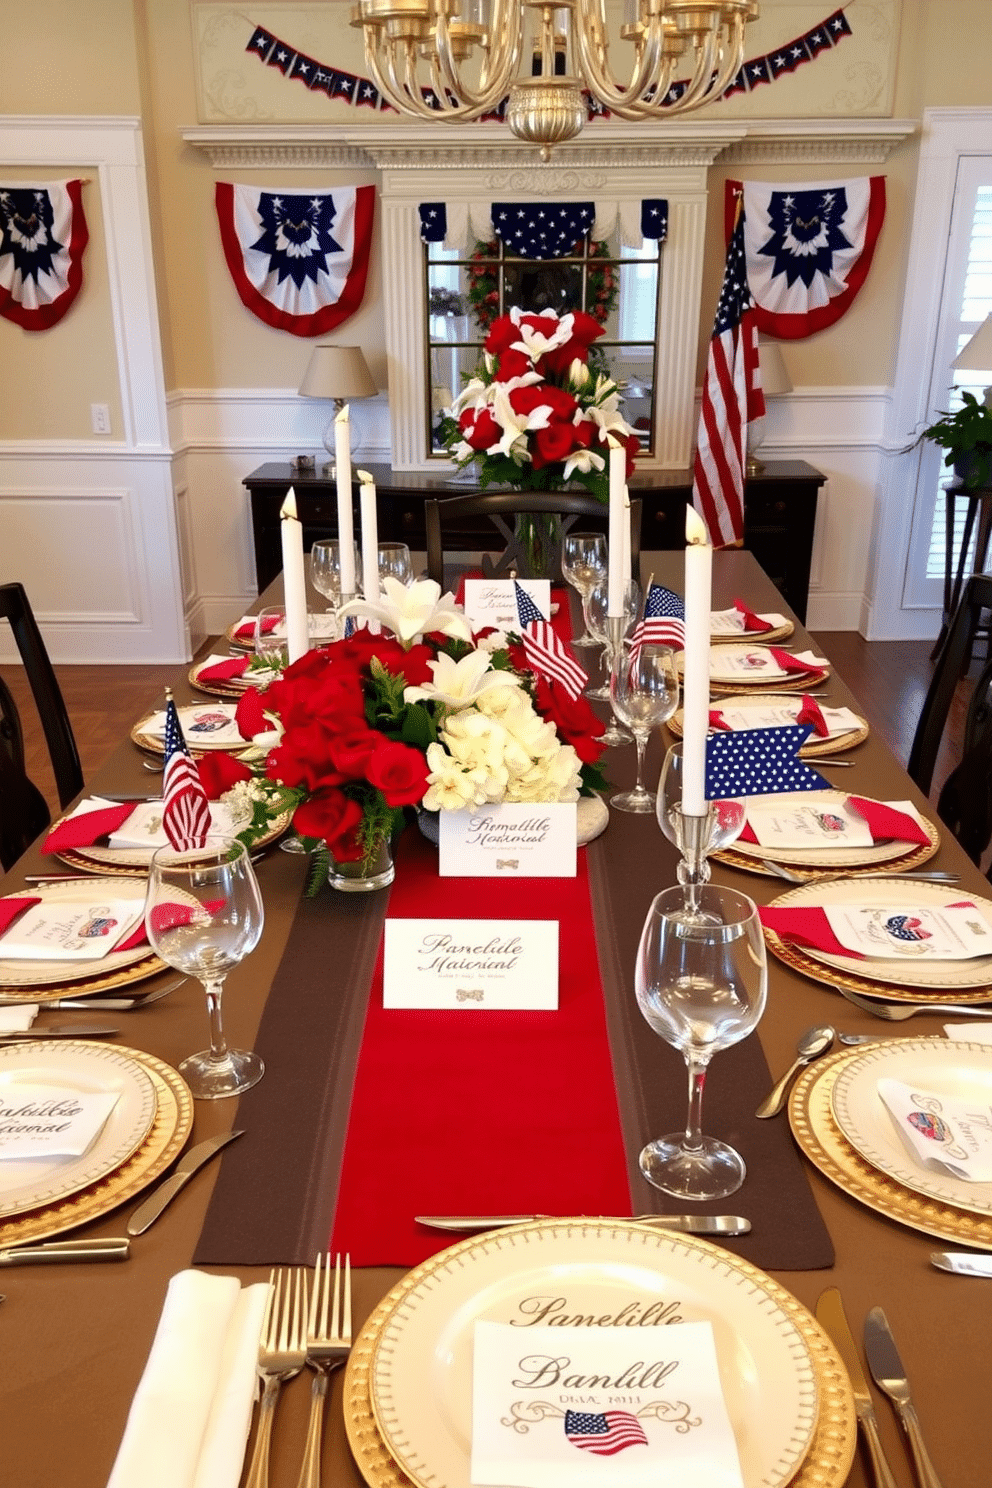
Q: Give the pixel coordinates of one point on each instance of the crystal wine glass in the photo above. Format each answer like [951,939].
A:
[271,637]
[395,562]
[203,914]
[644,690]
[583,564]
[609,633]
[325,569]
[701,981]
[696,837]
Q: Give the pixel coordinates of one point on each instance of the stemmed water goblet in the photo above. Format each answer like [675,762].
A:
[696,837]
[644,691]
[325,569]
[395,562]
[609,631]
[203,915]
[583,565]
[271,638]
[701,981]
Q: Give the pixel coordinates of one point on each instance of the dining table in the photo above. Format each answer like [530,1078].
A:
[74,1338]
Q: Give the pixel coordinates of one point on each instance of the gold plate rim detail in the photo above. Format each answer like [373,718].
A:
[813,748]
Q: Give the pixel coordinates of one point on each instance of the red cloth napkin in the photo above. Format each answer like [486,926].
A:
[790,663]
[884,823]
[717,719]
[249,715]
[806,926]
[752,622]
[810,712]
[470,573]
[246,630]
[221,671]
[14,906]
[84,830]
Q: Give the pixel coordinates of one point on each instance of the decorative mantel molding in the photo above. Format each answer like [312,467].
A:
[605,146]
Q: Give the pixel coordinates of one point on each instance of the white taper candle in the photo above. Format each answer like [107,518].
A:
[346,522]
[294,581]
[696,680]
[616,578]
[370,536]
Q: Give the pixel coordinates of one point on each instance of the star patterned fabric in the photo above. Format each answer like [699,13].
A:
[542,229]
[759,762]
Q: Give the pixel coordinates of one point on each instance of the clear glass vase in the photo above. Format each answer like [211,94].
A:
[361,877]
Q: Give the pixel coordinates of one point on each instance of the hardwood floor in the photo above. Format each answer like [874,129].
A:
[890,678]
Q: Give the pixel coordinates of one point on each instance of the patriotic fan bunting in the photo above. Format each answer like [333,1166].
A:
[299,259]
[808,248]
[186,812]
[759,762]
[663,623]
[544,651]
[42,237]
[732,397]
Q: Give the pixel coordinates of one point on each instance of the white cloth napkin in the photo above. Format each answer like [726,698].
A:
[14,1019]
[970,1033]
[191,1413]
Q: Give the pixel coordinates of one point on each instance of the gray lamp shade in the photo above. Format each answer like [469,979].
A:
[338,372]
[976,354]
[775,378]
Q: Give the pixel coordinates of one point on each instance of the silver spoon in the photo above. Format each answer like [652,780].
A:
[813,1043]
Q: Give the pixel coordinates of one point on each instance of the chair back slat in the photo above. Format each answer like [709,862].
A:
[15,608]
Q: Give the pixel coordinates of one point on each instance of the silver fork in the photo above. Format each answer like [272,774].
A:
[327,1350]
[281,1354]
[898,1012]
[926,875]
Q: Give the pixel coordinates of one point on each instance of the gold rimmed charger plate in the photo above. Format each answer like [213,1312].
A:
[821,1139]
[132,862]
[43,981]
[154,743]
[725,683]
[753,637]
[172,1125]
[825,1465]
[225,687]
[966,981]
[814,746]
[891,856]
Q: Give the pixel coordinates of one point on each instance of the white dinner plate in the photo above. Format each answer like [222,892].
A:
[28,973]
[74,1067]
[879,854]
[763,670]
[943,1066]
[199,722]
[815,745]
[937,977]
[421,1375]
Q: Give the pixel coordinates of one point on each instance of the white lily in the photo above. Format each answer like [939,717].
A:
[457,684]
[410,611]
[473,392]
[515,425]
[583,460]
[534,343]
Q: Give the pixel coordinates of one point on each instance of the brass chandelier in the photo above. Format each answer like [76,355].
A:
[471,54]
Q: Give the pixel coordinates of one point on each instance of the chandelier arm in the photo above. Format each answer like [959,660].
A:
[388,83]
[593,52]
[496,73]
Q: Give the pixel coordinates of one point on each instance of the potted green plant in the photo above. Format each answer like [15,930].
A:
[966,435]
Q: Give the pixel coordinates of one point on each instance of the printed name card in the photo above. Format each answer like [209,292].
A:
[212,726]
[511,840]
[494,602]
[907,932]
[145,826]
[942,1132]
[628,1408]
[731,622]
[838,720]
[472,964]
[77,931]
[50,1121]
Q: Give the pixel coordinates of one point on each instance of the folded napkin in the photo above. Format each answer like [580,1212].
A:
[14,906]
[753,623]
[223,668]
[191,1413]
[717,720]
[91,820]
[16,1019]
[805,925]
[804,661]
[245,629]
[886,823]
[811,712]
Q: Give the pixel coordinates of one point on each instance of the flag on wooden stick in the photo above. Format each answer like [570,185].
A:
[186,812]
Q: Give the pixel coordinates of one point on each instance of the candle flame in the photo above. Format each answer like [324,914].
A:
[695,528]
[288,508]
[365,477]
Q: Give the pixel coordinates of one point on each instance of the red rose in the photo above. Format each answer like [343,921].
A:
[352,751]
[249,715]
[585,329]
[573,718]
[502,333]
[218,771]
[485,432]
[585,431]
[400,772]
[543,395]
[304,758]
[512,364]
[414,665]
[334,817]
[552,444]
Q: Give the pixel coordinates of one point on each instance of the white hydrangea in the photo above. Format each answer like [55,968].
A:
[500,750]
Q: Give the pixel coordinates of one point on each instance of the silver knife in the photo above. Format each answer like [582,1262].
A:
[832,1319]
[147,1213]
[889,1375]
[57,1252]
[100,1004]
[961,1262]
[688,1224]
[60,1030]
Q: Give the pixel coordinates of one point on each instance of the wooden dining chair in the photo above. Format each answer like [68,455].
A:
[14,607]
[23,809]
[502,507]
[965,801]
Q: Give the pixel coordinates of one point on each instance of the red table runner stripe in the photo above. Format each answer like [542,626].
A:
[471,1111]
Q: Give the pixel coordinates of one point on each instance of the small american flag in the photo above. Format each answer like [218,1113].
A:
[545,652]
[186,812]
[604,1432]
[663,623]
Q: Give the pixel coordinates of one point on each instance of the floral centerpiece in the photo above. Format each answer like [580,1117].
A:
[601,290]
[423,714]
[534,415]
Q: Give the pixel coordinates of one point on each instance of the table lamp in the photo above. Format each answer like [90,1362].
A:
[337,374]
[976,355]
[775,381]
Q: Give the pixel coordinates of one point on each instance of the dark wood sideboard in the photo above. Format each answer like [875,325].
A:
[779,515]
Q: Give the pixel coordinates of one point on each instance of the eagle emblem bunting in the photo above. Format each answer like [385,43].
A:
[809,249]
[299,259]
[42,237]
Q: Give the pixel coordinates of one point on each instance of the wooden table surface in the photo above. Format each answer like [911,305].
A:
[75,1339]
